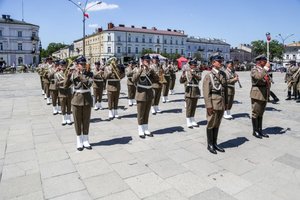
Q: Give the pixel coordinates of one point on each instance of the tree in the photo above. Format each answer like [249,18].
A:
[260,47]
[198,55]
[147,51]
[52,47]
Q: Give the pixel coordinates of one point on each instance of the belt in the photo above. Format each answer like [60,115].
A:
[113,80]
[82,91]
[259,85]
[218,93]
[98,80]
[167,74]
[144,86]
[192,85]
[231,86]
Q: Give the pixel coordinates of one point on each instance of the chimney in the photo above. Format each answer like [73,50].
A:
[8,16]
[121,25]
[110,25]
[132,26]
[175,30]
[144,27]
[3,16]
[154,28]
[169,29]
[100,30]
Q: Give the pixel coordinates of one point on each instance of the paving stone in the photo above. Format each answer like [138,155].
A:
[117,156]
[60,185]
[80,195]
[290,160]
[56,168]
[147,184]
[202,167]
[52,156]
[125,195]
[150,156]
[21,156]
[257,193]
[93,168]
[181,155]
[32,196]
[170,194]
[212,194]
[106,184]
[84,156]
[130,168]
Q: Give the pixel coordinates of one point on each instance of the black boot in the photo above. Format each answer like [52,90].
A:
[210,146]
[255,128]
[275,98]
[260,119]
[215,133]
[289,96]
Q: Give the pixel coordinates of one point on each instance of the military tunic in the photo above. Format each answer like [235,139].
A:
[172,77]
[98,84]
[230,75]
[130,84]
[166,84]
[157,86]
[64,94]
[53,87]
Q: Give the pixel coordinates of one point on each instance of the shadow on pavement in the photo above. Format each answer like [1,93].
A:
[177,110]
[276,130]
[237,102]
[272,109]
[134,115]
[202,123]
[241,115]
[201,106]
[169,130]
[177,100]
[233,142]
[122,140]
[95,120]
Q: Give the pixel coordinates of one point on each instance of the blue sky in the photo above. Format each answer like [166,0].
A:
[236,21]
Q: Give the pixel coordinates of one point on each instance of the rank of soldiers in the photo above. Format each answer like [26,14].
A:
[69,84]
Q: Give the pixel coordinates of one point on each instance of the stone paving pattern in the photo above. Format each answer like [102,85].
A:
[38,158]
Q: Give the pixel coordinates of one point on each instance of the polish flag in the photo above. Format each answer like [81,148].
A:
[86,15]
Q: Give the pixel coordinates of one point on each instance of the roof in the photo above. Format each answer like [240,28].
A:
[14,21]
[148,31]
[295,44]
[290,49]
[207,41]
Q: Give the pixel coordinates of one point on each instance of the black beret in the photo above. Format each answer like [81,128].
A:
[146,57]
[80,59]
[260,57]
[229,61]
[292,62]
[62,62]
[56,62]
[155,57]
[193,62]
[97,63]
[216,58]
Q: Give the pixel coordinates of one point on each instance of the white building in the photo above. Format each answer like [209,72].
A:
[19,41]
[207,47]
[291,52]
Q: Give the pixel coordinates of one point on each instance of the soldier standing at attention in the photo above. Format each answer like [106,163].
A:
[82,101]
[98,85]
[130,84]
[191,79]
[54,89]
[144,77]
[166,85]
[289,78]
[157,86]
[46,79]
[259,93]
[173,70]
[232,78]
[215,98]
[40,70]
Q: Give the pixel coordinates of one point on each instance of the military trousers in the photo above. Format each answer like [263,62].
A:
[143,110]
[65,103]
[113,99]
[131,91]
[214,120]
[230,102]
[82,116]
[258,108]
[191,105]
[54,96]
[157,94]
[46,89]
[293,87]
[166,86]
[42,83]
[172,82]
[98,93]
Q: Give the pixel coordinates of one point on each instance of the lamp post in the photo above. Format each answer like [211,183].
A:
[84,10]
[283,39]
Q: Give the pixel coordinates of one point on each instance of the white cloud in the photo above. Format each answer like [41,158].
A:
[93,25]
[102,6]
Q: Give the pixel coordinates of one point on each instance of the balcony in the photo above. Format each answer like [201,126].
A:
[35,38]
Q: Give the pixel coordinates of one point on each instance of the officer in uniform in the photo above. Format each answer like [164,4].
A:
[98,85]
[130,84]
[40,70]
[144,77]
[156,86]
[215,98]
[82,101]
[167,79]
[231,78]
[191,79]
[259,93]
[290,79]
[53,88]
[173,70]
[46,79]
[113,75]
[64,94]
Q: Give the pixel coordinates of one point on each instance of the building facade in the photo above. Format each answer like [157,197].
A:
[19,42]
[242,53]
[206,48]
[291,52]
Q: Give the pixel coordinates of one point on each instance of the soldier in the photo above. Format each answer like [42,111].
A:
[191,79]
[113,75]
[186,66]
[54,89]
[259,93]
[231,78]
[173,70]
[156,86]
[82,101]
[298,83]
[64,94]
[130,84]
[166,84]
[40,70]
[290,79]
[215,97]
[98,85]
[144,77]
[46,79]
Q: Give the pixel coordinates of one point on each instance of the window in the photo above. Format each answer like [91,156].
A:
[0,33]
[176,51]
[33,34]
[171,51]
[129,38]
[150,40]
[294,57]
[119,50]
[182,42]
[136,39]
[119,38]
[158,40]
[158,50]
[165,50]
[176,42]
[189,47]
[143,39]
[171,41]
[181,51]
[165,41]
[109,38]
[20,60]
[1,46]
[136,50]
[150,49]
[19,33]
[20,46]
[129,49]
[108,49]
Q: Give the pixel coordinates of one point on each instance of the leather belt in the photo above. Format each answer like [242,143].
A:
[113,80]
[144,86]
[82,91]
[192,85]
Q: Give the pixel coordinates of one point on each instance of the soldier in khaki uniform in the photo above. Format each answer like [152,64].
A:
[215,97]
[173,70]
[98,85]
[46,79]
[166,84]
[130,84]
[40,70]
[64,94]
[144,77]
[113,75]
[259,93]
[157,86]
[290,79]
[82,101]
[232,78]
[298,83]
[191,79]
[54,89]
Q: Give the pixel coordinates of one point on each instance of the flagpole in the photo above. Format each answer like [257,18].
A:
[22,11]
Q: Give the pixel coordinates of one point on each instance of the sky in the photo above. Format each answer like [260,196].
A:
[236,21]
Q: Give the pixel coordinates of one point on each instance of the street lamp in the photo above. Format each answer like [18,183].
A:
[283,39]
[84,9]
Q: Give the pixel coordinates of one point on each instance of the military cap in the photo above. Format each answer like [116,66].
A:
[97,63]
[193,62]
[216,58]
[62,62]
[292,62]
[49,58]
[260,57]
[155,57]
[229,61]
[56,62]
[132,62]
[80,60]
[146,57]
[189,58]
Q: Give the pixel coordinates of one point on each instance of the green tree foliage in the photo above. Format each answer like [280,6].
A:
[260,47]
[52,47]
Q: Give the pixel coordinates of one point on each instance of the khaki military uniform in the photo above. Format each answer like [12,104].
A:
[166,84]
[53,87]
[157,86]
[64,94]
[82,100]
[291,81]
[230,75]
[130,84]
[215,94]
[40,70]
[172,77]
[46,79]
[98,85]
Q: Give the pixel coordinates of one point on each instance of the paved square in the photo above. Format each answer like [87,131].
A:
[38,157]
